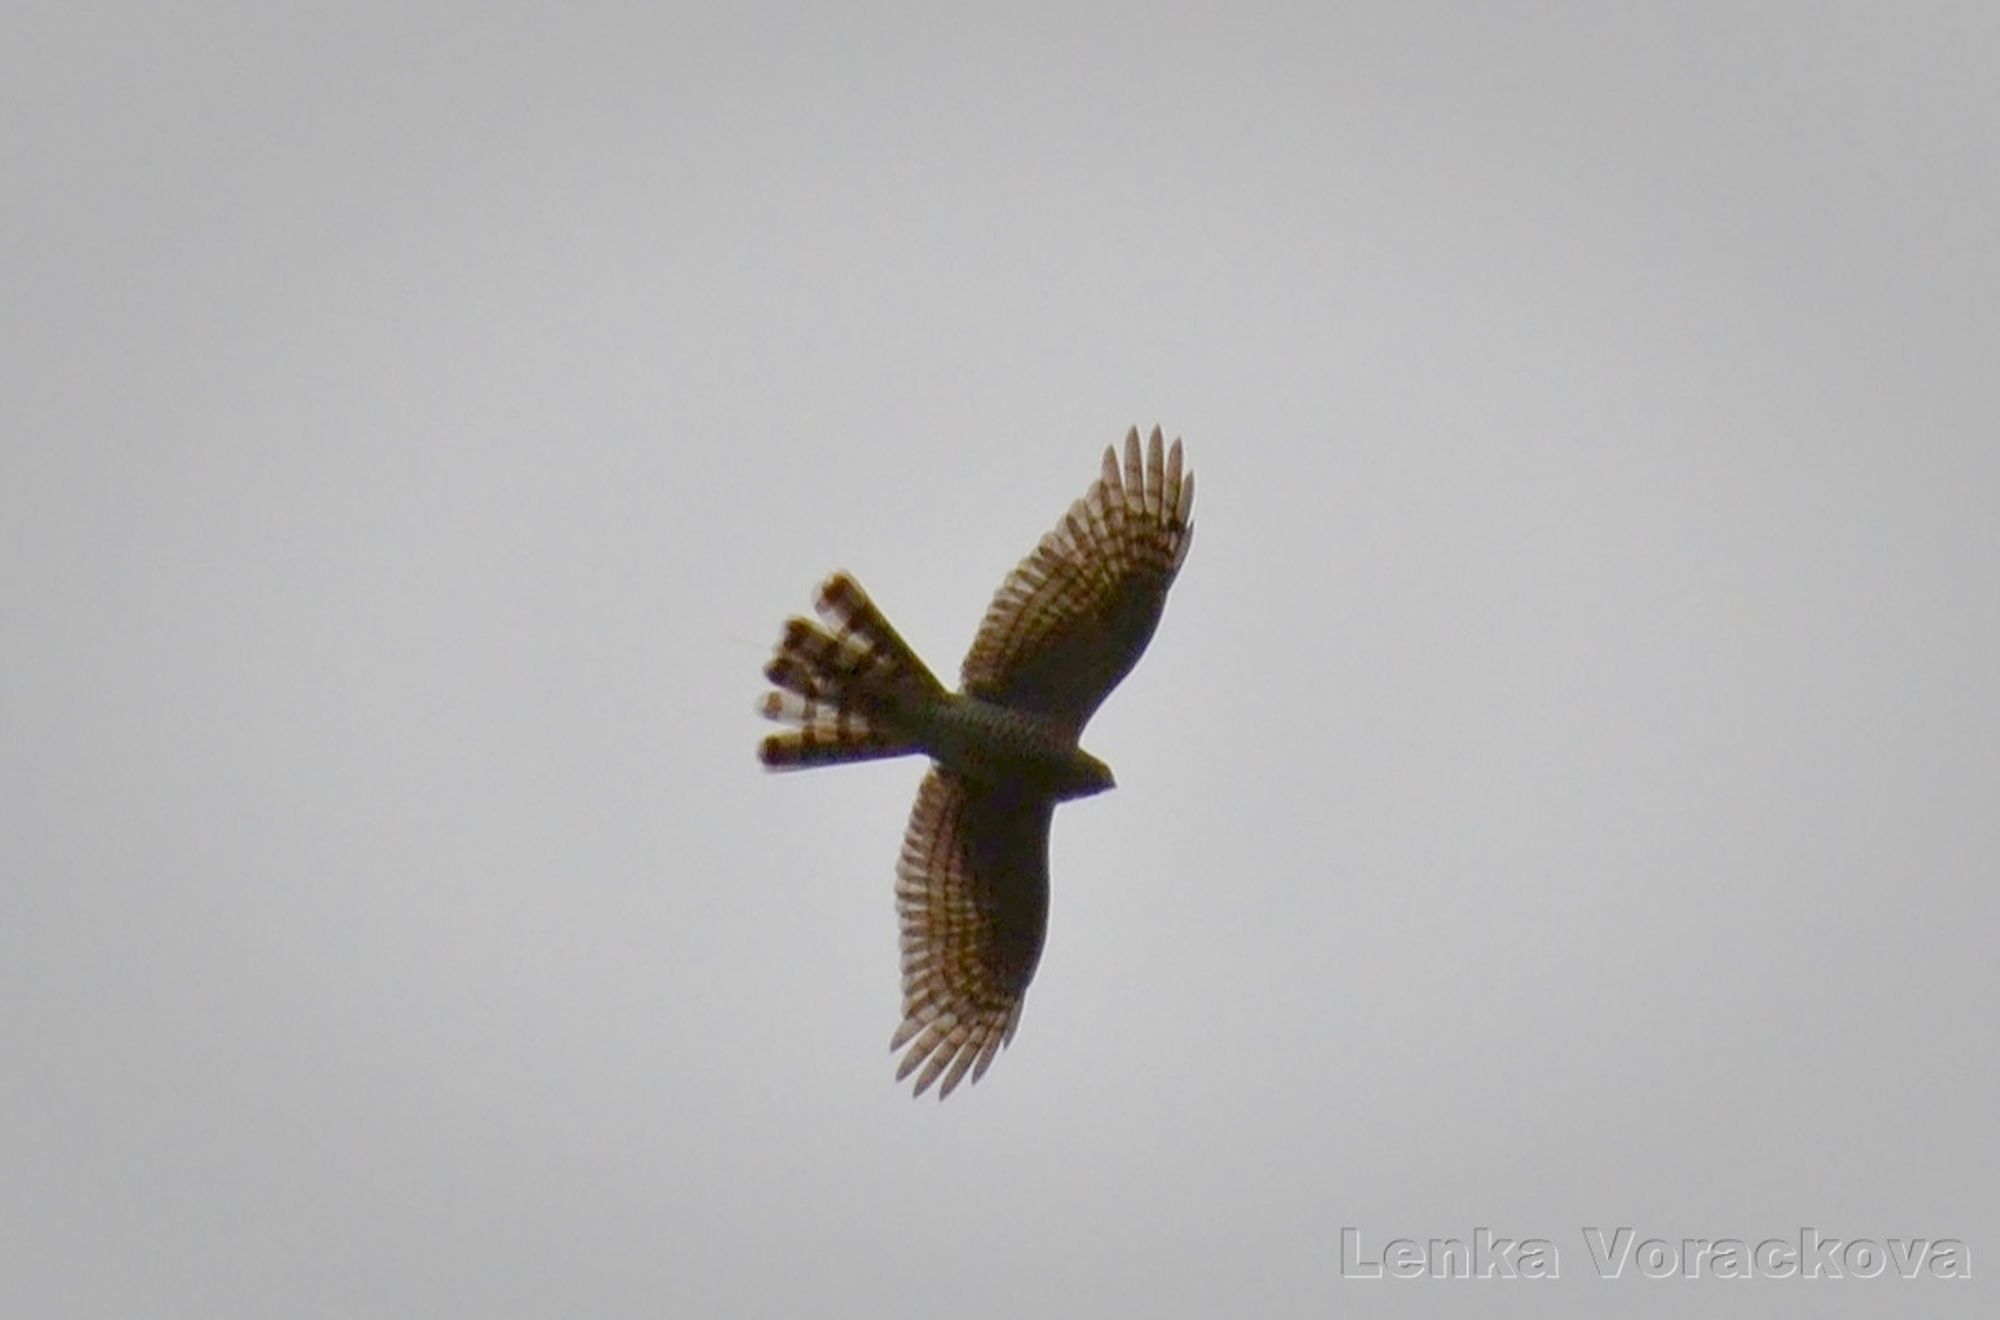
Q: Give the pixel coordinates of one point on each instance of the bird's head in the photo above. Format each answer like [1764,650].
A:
[1085,776]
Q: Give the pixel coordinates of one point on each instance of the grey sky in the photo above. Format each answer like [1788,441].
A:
[1561,791]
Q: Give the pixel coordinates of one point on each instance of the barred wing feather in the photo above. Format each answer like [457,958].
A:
[1074,617]
[972,893]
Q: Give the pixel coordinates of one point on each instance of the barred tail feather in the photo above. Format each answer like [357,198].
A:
[852,687]
[825,735]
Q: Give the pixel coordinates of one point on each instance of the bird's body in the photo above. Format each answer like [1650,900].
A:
[1064,628]
[991,744]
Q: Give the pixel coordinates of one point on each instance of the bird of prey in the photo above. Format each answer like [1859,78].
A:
[972,885]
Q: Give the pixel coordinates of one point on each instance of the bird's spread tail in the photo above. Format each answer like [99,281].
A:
[853,689]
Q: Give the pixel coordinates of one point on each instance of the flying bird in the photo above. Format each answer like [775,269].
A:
[972,885]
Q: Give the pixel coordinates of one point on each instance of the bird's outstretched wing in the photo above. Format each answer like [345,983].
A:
[1073,618]
[972,892]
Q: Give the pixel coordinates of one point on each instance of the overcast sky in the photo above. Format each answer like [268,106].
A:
[1561,793]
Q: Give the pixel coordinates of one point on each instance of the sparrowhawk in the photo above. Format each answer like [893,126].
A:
[972,887]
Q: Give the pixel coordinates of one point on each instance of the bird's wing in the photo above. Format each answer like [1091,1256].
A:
[972,892]
[1073,618]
